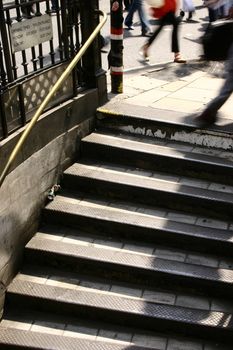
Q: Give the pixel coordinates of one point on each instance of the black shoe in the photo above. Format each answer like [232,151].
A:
[207,118]
[129,27]
[26,15]
[54,10]
[146,33]
[182,13]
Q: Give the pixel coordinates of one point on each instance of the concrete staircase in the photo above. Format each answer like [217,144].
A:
[136,250]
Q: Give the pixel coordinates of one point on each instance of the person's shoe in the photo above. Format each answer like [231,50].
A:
[144,52]
[179,59]
[182,14]
[55,9]
[26,14]
[128,27]
[190,20]
[207,118]
[146,33]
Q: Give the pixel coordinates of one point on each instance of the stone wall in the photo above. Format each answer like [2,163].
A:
[52,146]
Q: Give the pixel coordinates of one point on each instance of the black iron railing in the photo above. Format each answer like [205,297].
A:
[37,41]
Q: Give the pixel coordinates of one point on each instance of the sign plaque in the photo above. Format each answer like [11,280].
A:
[31,32]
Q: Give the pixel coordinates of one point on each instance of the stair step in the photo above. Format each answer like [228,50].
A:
[121,185]
[39,321]
[143,267]
[163,156]
[105,338]
[162,124]
[189,256]
[12,339]
[138,226]
[90,283]
[123,310]
[85,329]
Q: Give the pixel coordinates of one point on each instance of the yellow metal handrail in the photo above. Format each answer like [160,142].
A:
[39,111]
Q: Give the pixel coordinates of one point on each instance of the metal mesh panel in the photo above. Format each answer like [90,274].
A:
[36,89]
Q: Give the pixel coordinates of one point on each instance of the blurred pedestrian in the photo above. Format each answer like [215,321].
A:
[138,5]
[127,4]
[209,115]
[54,5]
[187,6]
[166,15]
[217,9]
[27,10]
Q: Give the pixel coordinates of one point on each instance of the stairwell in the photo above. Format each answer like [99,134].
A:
[135,252]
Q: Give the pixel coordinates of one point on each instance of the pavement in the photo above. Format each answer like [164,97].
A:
[168,86]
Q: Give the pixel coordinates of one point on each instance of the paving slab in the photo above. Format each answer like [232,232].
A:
[184,88]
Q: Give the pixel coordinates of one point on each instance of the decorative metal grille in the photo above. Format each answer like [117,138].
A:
[36,88]
[23,21]
[37,40]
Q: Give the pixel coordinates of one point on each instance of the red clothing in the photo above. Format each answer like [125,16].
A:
[169,6]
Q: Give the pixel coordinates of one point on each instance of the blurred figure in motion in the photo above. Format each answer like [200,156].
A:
[187,6]
[217,9]
[127,4]
[54,5]
[137,5]
[165,15]
[209,115]
[27,10]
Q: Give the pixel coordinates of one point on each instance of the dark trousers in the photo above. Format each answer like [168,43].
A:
[54,4]
[127,4]
[169,18]
[227,88]
[27,10]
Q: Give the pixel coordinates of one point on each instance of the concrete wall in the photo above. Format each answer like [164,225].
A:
[52,146]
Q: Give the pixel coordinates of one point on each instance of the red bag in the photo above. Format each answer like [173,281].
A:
[169,6]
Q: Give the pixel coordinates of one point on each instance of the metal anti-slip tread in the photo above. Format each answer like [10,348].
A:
[70,300]
[20,339]
[122,143]
[150,227]
[135,262]
[97,176]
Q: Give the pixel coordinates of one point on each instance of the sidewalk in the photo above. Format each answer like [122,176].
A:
[185,88]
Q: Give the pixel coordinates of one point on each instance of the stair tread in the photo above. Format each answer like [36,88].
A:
[180,151]
[45,341]
[136,261]
[90,283]
[105,335]
[110,214]
[140,248]
[127,113]
[94,173]
[122,305]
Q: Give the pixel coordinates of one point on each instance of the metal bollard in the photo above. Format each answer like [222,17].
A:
[115,57]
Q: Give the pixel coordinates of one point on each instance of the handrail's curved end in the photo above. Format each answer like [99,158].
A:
[104,14]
